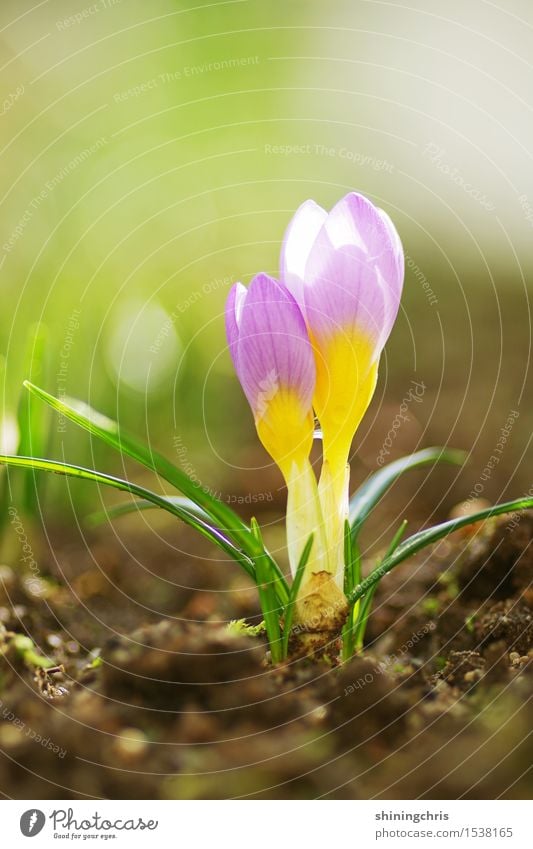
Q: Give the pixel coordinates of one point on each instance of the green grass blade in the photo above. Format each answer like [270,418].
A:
[348,558]
[352,560]
[126,507]
[368,495]
[396,540]
[423,538]
[4,484]
[211,533]
[362,619]
[352,576]
[270,606]
[256,531]
[366,604]
[268,599]
[288,615]
[32,420]
[108,430]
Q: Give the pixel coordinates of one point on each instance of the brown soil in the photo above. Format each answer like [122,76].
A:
[179,707]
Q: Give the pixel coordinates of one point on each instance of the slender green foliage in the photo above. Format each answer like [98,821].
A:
[33,429]
[371,492]
[108,430]
[365,603]
[4,483]
[361,505]
[127,507]
[222,526]
[352,576]
[424,538]
[352,560]
[268,599]
[208,531]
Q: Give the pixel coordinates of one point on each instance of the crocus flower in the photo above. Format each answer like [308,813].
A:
[345,270]
[274,361]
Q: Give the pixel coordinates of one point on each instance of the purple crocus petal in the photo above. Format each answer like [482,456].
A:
[393,233]
[397,249]
[354,220]
[234,305]
[273,349]
[297,244]
[345,293]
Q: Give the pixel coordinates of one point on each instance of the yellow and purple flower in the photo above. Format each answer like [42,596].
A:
[313,340]
[345,269]
[274,361]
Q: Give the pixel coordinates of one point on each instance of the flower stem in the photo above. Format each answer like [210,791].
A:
[320,606]
[304,517]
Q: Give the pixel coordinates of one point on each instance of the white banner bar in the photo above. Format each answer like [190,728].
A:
[268,824]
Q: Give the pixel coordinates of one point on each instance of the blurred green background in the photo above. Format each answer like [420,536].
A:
[152,154]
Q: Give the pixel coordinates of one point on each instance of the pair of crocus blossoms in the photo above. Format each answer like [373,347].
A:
[310,344]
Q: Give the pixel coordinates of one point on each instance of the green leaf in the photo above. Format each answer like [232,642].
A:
[368,495]
[430,535]
[362,618]
[256,530]
[270,606]
[126,507]
[352,576]
[396,540]
[364,501]
[364,612]
[288,615]
[348,558]
[108,430]
[267,597]
[4,483]
[32,421]
[208,531]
